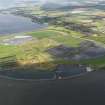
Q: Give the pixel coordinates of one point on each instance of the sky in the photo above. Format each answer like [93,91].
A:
[9,3]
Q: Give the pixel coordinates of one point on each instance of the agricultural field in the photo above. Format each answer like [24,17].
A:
[43,50]
[35,51]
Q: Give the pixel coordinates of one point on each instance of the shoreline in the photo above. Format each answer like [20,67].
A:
[52,79]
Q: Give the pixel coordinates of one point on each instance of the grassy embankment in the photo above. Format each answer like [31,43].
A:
[35,52]
[97,62]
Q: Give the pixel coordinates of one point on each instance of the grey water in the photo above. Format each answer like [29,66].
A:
[10,24]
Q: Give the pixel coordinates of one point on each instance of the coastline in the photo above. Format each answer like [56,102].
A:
[47,79]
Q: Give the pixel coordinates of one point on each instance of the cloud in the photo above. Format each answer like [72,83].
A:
[56,1]
[63,2]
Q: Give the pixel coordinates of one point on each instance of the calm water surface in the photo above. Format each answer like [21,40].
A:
[14,24]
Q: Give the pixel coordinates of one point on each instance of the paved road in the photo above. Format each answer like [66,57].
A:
[84,90]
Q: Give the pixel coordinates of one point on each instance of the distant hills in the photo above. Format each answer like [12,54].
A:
[69,4]
[55,4]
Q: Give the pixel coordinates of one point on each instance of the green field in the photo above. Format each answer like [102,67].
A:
[35,52]
[64,28]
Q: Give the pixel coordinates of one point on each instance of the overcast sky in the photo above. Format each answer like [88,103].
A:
[8,3]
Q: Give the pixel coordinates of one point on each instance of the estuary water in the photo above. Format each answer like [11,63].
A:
[10,24]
